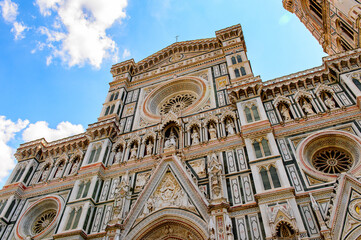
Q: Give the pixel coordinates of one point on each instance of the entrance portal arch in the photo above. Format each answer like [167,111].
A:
[169,224]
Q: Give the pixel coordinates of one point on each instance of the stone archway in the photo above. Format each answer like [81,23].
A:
[170,223]
[170,230]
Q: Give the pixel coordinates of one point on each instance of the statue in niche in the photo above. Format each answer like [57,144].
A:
[118,155]
[45,173]
[329,102]
[171,141]
[307,107]
[212,132]
[59,172]
[215,171]
[195,137]
[120,193]
[74,167]
[133,152]
[285,112]
[230,127]
[149,148]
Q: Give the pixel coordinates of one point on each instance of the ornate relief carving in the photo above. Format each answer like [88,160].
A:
[168,194]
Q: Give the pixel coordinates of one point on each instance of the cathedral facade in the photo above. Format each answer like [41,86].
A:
[191,145]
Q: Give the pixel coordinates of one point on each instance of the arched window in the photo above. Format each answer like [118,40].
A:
[95,153]
[270,178]
[274,177]
[252,114]
[107,111]
[74,218]
[116,96]
[28,174]
[16,175]
[239,58]
[243,71]
[70,220]
[3,204]
[265,179]
[255,113]
[248,113]
[112,109]
[261,148]
[234,60]
[236,72]
[357,83]
[111,97]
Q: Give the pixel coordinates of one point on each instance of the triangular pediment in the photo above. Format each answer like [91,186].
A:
[169,187]
[345,212]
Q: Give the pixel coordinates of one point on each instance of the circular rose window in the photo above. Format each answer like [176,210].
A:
[184,95]
[325,154]
[40,218]
[43,221]
[332,160]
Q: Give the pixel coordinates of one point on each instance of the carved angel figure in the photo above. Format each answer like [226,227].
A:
[195,137]
[212,132]
[133,152]
[329,102]
[118,156]
[285,112]
[149,149]
[307,107]
[171,141]
[230,127]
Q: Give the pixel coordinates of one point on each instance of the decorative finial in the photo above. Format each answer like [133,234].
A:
[176,38]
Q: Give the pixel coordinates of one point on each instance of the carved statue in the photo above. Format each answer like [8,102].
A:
[285,112]
[195,137]
[118,156]
[307,107]
[215,171]
[133,152]
[74,168]
[329,102]
[59,172]
[149,149]
[119,196]
[212,132]
[171,141]
[199,167]
[230,127]
[45,174]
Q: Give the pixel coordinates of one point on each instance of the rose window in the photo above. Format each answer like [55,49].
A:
[43,221]
[332,160]
[177,103]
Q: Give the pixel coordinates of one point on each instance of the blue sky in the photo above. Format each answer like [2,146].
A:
[56,55]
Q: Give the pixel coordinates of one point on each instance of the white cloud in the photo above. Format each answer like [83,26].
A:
[41,129]
[126,54]
[9,10]
[8,129]
[284,19]
[18,30]
[79,29]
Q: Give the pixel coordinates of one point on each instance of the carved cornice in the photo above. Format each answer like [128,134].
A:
[108,128]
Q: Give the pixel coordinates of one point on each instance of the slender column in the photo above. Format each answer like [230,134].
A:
[236,125]
[142,149]
[188,137]
[201,135]
[218,130]
[205,133]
